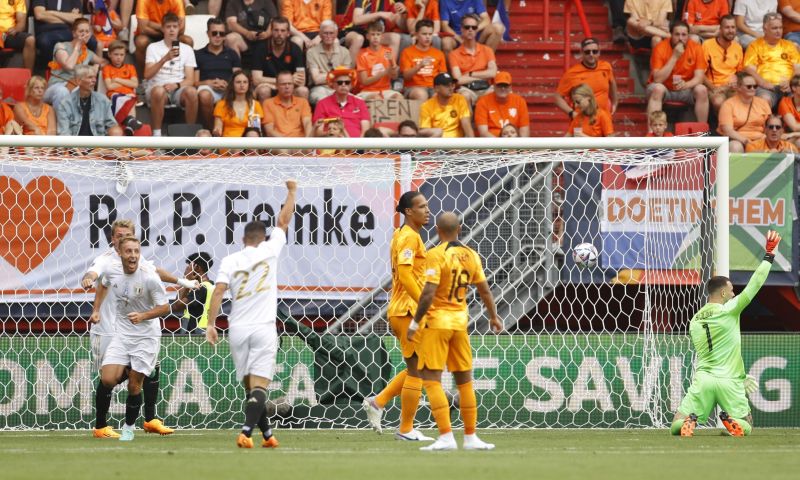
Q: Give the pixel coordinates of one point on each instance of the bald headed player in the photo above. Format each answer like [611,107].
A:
[719,376]
[451,267]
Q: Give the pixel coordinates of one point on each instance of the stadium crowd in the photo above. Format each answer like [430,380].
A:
[300,68]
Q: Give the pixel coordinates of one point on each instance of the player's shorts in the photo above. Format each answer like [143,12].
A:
[439,347]
[140,353]
[99,344]
[399,327]
[254,350]
[706,391]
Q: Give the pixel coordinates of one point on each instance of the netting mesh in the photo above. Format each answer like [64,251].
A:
[593,347]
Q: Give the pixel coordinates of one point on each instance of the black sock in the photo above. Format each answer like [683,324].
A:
[264,426]
[150,387]
[253,408]
[102,402]
[132,408]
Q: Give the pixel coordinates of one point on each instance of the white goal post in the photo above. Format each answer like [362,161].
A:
[598,347]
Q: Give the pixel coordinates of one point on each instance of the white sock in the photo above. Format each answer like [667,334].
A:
[156,132]
[128,427]
[447,437]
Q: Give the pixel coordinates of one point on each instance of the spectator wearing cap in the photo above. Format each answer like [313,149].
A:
[773,141]
[500,108]
[472,64]
[592,71]
[677,71]
[446,114]
[342,104]
[772,61]
[725,58]
[195,303]
[324,57]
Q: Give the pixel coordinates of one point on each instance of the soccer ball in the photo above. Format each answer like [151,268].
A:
[585,255]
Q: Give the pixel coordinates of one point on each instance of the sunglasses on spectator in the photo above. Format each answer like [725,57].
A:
[217,33]
[591,52]
[343,82]
[774,127]
[750,86]
[470,27]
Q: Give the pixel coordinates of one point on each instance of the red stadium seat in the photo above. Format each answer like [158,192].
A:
[691,128]
[13,81]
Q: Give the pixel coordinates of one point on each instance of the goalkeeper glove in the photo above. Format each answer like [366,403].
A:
[773,239]
[190,284]
[750,385]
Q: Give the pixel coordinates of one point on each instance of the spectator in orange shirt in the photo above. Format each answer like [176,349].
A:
[725,58]
[704,16]
[417,10]
[773,141]
[376,66]
[790,9]
[500,108]
[472,64]
[677,71]
[35,116]
[106,25]
[121,82]
[658,124]
[592,71]
[788,108]
[420,63]
[305,17]
[238,110]
[287,115]
[149,18]
[742,117]
[590,120]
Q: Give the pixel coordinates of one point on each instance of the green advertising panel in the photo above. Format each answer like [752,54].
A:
[521,381]
[761,197]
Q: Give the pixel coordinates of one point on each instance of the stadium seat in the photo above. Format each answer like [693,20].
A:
[13,81]
[196,27]
[183,129]
[691,128]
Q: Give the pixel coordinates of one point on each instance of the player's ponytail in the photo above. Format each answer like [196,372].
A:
[406,201]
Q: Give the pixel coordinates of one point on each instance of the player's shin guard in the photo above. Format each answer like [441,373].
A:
[132,408]
[393,389]
[469,407]
[102,402]
[253,408]
[409,401]
[150,388]
[439,406]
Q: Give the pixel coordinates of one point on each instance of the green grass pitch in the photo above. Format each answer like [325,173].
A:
[347,454]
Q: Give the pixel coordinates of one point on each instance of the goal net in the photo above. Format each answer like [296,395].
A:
[600,346]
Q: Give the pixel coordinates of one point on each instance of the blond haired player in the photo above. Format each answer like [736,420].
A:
[408,263]
[450,269]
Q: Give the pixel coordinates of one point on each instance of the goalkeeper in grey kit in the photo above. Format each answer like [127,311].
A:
[720,376]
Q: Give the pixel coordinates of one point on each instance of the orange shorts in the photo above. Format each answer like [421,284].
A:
[399,327]
[438,348]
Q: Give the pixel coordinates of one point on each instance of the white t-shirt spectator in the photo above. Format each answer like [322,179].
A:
[753,12]
[173,71]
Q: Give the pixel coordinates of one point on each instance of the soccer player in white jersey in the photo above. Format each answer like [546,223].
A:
[252,277]
[104,327]
[140,299]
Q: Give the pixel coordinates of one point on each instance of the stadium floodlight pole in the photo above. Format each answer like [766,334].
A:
[719,144]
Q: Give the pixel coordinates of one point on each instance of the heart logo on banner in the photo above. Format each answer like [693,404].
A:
[33,220]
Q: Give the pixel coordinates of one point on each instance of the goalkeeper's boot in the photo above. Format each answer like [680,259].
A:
[472,442]
[127,435]
[689,424]
[105,432]
[271,442]
[243,441]
[374,414]
[443,443]
[156,426]
[731,425]
[412,436]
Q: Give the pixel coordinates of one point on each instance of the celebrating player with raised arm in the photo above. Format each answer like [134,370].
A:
[719,375]
[408,263]
[140,300]
[104,328]
[442,315]
[252,277]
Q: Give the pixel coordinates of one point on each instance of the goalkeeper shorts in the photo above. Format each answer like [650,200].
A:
[399,327]
[440,347]
[707,391]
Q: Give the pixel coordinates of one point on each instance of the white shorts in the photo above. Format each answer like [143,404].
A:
[140,353]
[99,345]
[254,350]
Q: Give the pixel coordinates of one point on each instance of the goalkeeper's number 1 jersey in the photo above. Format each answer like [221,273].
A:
[714,330]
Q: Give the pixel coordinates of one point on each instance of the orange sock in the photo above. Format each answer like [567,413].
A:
[469,407]
[439,406]
[393,389]
[409,401]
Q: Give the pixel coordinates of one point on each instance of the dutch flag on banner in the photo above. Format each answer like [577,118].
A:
[104,19]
